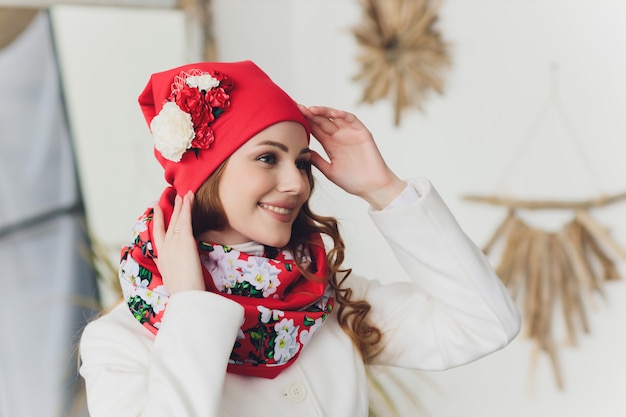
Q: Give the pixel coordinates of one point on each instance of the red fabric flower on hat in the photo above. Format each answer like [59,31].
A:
[199,98]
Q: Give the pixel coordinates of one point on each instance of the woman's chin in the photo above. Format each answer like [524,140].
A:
[277,242]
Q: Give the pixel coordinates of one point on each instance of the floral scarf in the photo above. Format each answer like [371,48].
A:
[282,309]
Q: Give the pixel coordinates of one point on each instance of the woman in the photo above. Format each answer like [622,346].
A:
[243,310]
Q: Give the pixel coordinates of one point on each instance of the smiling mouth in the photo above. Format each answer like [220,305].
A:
[278,210]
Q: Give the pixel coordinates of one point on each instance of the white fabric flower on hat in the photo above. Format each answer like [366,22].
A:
[173,132]
[203,82]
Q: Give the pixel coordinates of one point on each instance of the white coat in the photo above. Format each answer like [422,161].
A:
[453,312]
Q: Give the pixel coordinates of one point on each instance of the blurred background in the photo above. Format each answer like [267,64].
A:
[532,107]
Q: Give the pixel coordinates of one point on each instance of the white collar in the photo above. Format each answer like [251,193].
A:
[251,248]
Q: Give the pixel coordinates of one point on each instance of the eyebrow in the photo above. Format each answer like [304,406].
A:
[282,146]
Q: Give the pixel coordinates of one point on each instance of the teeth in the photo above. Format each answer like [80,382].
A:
[278,210]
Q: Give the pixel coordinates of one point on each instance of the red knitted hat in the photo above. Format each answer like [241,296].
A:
[199,114]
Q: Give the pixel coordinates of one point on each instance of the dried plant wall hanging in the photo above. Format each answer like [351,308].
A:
[402,53]
[549,272]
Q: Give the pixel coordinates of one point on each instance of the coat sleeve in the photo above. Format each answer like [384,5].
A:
[455,309]
[130,372]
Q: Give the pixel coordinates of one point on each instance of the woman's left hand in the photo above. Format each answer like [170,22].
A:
[356,164]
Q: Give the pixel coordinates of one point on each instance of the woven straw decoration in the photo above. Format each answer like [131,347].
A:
[401,54]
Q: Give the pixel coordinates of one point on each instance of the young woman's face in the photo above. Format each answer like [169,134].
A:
[263,187]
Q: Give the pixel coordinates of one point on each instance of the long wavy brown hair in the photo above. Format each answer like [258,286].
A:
[352,315]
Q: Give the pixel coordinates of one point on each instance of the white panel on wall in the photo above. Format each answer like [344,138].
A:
[106,57]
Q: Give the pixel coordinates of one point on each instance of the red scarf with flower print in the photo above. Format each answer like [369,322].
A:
[282,309]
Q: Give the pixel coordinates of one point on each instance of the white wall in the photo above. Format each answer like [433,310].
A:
[502,51]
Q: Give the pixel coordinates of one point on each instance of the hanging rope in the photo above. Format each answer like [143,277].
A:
[552,101]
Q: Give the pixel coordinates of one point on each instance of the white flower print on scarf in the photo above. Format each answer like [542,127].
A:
[133,285]
[223,268]
[269,315]
[259,272]
[285,345]
[306,335]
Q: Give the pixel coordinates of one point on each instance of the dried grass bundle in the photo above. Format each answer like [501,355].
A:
[548,271]
[402,53]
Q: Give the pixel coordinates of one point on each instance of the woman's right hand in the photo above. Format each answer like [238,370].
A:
[355,163]
[178,260]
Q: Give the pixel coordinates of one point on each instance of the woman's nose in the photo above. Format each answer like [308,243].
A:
[293,180]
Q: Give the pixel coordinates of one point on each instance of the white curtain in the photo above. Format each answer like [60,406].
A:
[46,285]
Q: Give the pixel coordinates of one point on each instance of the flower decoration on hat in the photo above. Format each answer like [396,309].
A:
[184,122]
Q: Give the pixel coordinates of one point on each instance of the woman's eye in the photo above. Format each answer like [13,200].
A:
[267,158]
[303,164]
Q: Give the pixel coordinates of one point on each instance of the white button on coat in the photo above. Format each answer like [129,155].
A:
[296,392]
